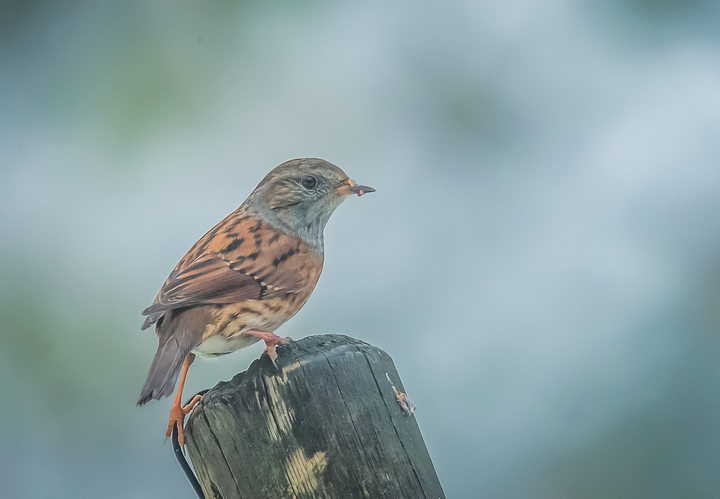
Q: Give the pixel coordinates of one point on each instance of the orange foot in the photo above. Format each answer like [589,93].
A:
[271,341]
[177,416]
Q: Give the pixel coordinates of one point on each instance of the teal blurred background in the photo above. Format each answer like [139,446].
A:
[541,258]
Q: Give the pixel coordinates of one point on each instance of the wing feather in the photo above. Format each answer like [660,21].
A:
[239,259]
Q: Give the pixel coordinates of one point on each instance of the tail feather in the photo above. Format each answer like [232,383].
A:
[164,371]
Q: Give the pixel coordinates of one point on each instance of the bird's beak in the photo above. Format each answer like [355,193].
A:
[351,187]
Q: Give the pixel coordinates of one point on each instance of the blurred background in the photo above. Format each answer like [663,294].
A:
[541,257]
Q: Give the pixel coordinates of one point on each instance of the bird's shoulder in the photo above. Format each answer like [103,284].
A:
[252,245]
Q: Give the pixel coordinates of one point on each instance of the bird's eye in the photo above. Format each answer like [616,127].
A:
[309,182]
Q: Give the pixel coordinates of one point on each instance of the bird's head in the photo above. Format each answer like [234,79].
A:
[300,195]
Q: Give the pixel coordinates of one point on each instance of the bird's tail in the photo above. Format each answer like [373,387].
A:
[164,371]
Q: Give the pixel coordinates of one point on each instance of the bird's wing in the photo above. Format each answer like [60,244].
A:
[234,262]
[206,281]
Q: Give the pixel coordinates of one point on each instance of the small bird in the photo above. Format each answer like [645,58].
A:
[246,277]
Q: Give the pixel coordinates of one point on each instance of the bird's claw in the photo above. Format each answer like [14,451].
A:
[271,342]
[177,416]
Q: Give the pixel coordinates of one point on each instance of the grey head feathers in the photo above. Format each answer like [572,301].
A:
[298,197]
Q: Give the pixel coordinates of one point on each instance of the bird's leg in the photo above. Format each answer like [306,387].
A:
[271,341]
[177,413]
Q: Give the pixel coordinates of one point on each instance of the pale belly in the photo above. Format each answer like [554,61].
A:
[221,345]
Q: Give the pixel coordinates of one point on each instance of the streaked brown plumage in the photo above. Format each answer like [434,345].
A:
[247,276]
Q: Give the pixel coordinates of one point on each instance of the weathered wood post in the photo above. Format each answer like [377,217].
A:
[330,420]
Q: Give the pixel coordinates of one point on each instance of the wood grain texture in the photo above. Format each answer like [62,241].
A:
[324,423]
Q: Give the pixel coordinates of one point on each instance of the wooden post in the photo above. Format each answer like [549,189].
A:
[330,420]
